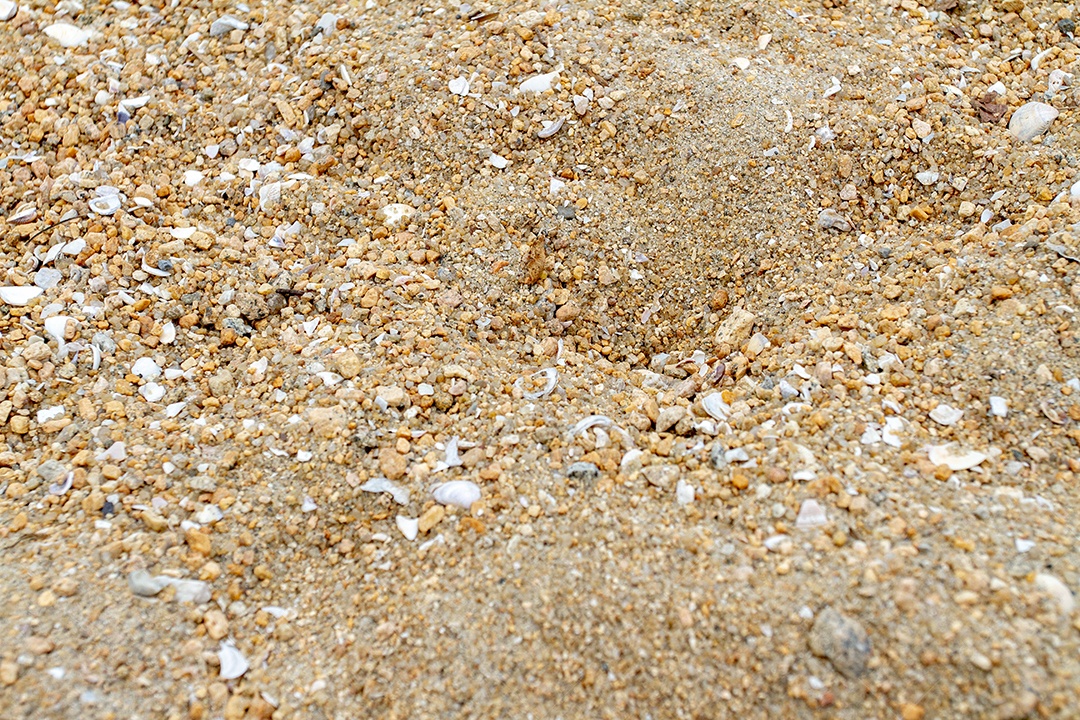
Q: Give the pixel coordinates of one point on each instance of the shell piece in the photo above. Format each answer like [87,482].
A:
[1058,590]
[829,219]
[927,177]
[946,414]
[56,327]
[67,34]
[552,379]
[409,527]
[999,406]
[8,10]
[19,295]
[539,83]
[955,457]
[460,493]
[25,213]
[498,161]
[715,406]
[394,214]
[146,369]
[459,86]
[811,514]
[1031,120]
[152,391]
[551,128]
[226,24]
[379,484]
[233,663]
[105,204]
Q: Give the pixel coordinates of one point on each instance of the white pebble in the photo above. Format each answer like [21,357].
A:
[999,407]
[460,493]
[67,34]
[811,514]
[946,414]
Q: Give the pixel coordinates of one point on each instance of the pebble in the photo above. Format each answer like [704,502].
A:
[661,476]
[669,417]
[842,641]
[143,584]
[583,472]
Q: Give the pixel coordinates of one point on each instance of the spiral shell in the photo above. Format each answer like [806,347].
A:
[1031,120]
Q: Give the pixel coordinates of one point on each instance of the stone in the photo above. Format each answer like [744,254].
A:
[393,395]
[198,541]
[326,421]
[661,476]
[216,624]
[348,364]
[66,587]
[393,464]
[221,384]
[583,472]
[669,417]
[735,329]
[431,517]
[143,584]
[9,672]
[842,641]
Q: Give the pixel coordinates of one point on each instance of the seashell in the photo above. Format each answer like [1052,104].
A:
[999,407]
[829,219]
[379,484]
[269,194]
[741,63]
[811,514]
[156,272]
[581,104]
[946,415]
[954,457]
[174,409]
[394,214]
[146,369]
[56,327]
[226,24]
[409,527]
[327,24]
[684,492]
[8,10]
[25,213]
[19,295]
[193,177]
[152,391]
[1031,120]
[552,376]
[498,161]
[927,177]
[233,664]
[67,34]
[460,493]
[1058,79]
[715,406]
[539,83]
[105,204]
[550,128]
[1058,590]
[459,86]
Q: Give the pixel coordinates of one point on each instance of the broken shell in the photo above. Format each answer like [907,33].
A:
[409,527]
[105,204]
[8,9]
[56,327]
[226,24]
[1058,590]
[829,219]
[379,484]
[19,295]
[154,271]
[539,83]
[233,664]
[552,376]
[394,214]
[25,213]
[550,128]
[811,514]
[927,177]
[946,415]
[1031,120]
[460,493]
[67,34]
[1052,413]
[955,457]
[715,406]
[459,86]
[168,333]
[999,407]
[498,161]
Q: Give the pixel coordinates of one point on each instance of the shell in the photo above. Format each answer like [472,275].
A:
[168,333]
[56,326]
[1058,590]
[25,213]
[394,214]
[8,10]
[233,664]
[1031,120]
[459,86]
[409,527]
[105,204]
[67,34]
[946,414]
[226,24]
[999,407]
[146,369]
[552,376]
[829,219]
[551,128]
[376,485]
[498,161]
[955,457]
[152,392]
[715,406]
[539,83]
[811,514]
[927,177]
[19,295]
[460,493]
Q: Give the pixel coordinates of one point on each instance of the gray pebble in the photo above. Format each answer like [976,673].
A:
[52,471]
[143,584]
[583,471]
[842,641]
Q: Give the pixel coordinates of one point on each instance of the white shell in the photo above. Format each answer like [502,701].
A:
[1031,120]
[811,514]
[25,213]
[105,204]
[1057,590]
[67,34]
[552,376]
[174,409]
[715,406]
[581,104]
[269,194]
[226,24]
[946,414]
[409,527]
[146,368]
[459,86]
[539,83]
[550,128]
[741,63]
[8,9]
[233,664]
[999,406]
[927,177]
[152,392]
[154,271]
[19,295]
[379,484]
[394,214]
[168,333]
[498,161]
[955,457]
[460,493]
[684,493]
[193,177]
[56,326]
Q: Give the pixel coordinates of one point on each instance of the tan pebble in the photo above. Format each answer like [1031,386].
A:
[393,395]
[431,517]
[326,421]
[47,598]
[1000,292]
[39,645]
[66,587]
[776,475]
[348,364]
[198,541]
[16,490]
[392,464]
[154,522]
[911,711]
[236,707]
[967,209]
[19,424]
[9,672]
[568,312]
[217,625]
[18,522]
[669,417]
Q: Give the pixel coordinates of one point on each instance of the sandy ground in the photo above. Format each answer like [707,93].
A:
[641,359]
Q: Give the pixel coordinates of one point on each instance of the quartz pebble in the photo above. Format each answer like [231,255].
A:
[841,640]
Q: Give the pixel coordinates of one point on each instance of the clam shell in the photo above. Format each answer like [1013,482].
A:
[946,414]
[233,664]
[67,34]
[811,514]
[460,493]
[551,128]
[19,295]
[1031,120]
[539,83]
[27,212]
[714,405]
[955,457]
